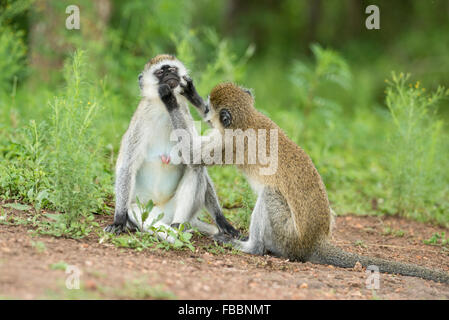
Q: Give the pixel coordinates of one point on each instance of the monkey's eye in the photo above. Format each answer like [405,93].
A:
[172,69]
[159,72]
[225,117]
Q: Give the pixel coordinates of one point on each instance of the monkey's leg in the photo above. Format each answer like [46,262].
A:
[214,209]
[189,197]
[124,189]
[204,227]
[255,243]
[125,181]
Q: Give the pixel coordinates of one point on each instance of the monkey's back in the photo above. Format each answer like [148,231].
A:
[300,184]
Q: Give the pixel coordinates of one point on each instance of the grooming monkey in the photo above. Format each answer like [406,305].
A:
[144,169]
[292,217]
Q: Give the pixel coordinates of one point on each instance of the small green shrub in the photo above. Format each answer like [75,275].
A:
[12,45]
[416,157]
[58,164]
[146,240]
[438,239]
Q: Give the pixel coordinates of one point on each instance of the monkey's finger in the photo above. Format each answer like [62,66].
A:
[187,79]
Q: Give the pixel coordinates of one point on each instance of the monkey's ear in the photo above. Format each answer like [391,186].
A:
[248,91]
[140,80]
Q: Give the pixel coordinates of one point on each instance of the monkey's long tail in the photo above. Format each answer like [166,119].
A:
[331,255]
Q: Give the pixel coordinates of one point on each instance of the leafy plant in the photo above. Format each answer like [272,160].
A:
[329,68]
[154,235]
[416,156]
[438,239]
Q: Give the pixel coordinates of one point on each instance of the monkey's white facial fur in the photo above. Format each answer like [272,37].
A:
[212,117]
[149,82]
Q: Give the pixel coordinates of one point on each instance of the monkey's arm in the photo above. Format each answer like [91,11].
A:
[179,123]
[189,91]
[125,181]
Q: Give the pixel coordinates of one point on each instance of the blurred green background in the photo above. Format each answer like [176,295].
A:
[378,136]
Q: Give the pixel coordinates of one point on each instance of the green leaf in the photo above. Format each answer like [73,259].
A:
[55,216]
[17,206]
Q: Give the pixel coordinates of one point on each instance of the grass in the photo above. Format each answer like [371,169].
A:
[131,289]
[390,231]
[139,289]
[58,145]
[39,246]
[438,239]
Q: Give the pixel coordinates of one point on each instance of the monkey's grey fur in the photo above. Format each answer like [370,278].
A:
[144,170]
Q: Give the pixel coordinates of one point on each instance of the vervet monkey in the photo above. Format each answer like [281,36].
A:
[292,217]
[144,170]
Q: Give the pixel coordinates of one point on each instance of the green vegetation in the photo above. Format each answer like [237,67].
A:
[381,146]
[144,240]
[438,239]
[130,289]
[395,232]
[61,265]
[39,246]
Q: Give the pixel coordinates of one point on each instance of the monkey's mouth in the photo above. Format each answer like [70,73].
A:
[172,82]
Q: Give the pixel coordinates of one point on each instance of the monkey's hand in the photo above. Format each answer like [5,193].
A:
[167,97]
[189,91]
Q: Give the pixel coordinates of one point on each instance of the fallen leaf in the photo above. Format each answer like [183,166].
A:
[358,266]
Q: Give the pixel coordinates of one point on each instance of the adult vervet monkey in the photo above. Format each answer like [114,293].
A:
[144,170]
[292,216]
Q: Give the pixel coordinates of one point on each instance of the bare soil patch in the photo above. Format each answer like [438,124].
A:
[110,272]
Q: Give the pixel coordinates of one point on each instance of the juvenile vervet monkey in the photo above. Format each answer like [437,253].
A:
[292,217]
[144,170]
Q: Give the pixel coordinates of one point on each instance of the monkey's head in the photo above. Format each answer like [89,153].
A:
[230,107]
[163,68]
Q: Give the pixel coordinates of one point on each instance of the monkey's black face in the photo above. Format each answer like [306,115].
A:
[169,75]
[225,118]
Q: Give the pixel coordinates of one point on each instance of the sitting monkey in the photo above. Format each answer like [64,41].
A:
[144,169]
[292,217]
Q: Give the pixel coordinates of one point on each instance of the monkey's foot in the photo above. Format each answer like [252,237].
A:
[115,228]
[175,225]
[230,230]
[227,228]
[222,238]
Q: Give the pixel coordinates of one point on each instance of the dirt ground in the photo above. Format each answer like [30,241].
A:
[28,270]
